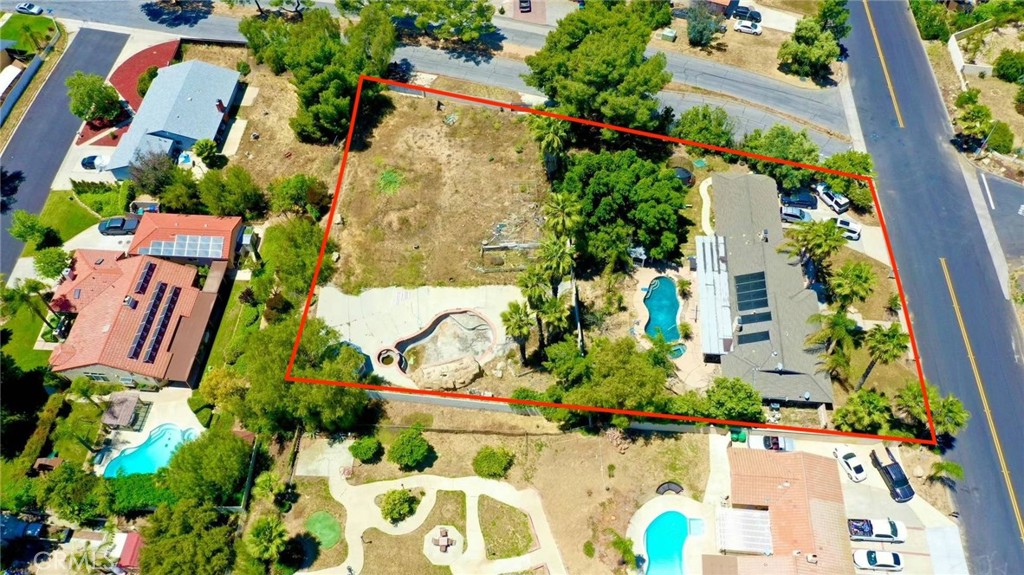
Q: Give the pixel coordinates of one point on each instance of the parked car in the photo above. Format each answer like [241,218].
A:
[747,27]
[799,199]
[850,463]
[119,226]
[882,530]
[771,443]
[746,13]
[793,215]
[838,202]
[28,8]
[525,6]
[851,229]
[93,162]
[894,477]
[877,560]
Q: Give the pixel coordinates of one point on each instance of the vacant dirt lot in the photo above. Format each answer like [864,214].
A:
[277,153]
[586,484]
[429,187]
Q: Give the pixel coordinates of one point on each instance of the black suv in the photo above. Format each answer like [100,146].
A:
[894,477]
[745,13]
[799,199]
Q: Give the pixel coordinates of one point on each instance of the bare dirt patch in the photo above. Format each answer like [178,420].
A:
[802,7]
[276,153]
[432,185]
[945,73]
[917,462]
[998,96]
[479,90]
[400,555]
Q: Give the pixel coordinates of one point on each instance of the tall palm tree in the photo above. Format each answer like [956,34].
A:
[886,345]
[267,538]
[534,284]
[24,293]
[853,282]
[818,240]
[556,315]
[836,364]
[518,325]
[556,257]
[563,214]
[836,330]
[553,136]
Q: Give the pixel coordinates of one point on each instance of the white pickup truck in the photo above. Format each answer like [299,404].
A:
[881,530]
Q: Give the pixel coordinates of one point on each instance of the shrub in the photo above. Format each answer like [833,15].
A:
[247,297]
[145,80]
[492,463]
[398,504]
[410,450]
[1009,66]
[684,287]
[968,98]
[685,331]
[366,449]
[1018,100]
[624,546]
[276,307]
[931,19]
[588,549]
[136,493]
[206,149]
[1001,138]
[243,68]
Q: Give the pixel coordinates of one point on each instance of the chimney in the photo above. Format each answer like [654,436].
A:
[220,106]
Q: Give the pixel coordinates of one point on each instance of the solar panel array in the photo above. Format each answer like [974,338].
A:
[751,291]
[756,317]
[147,274]
[162,324]
[186,246]
[146,322]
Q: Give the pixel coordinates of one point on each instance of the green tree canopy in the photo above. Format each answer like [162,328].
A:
[852,162]
[50,262]
[152,172]
[398,504]
[410,449]
[865,411]
[810,51]
[92,98]
[622,377]
[701,24]
[782,142]
[818,239]
[299,193]
[27,227]
[569,366]
[294,248]
[886,345]
[518,325]
[705,124]
[853,282]
[733,399]
[188,537]
[232,192]
[833,16]
[70,492]
[366,449]
[492,462]
[211,468]
[267,537]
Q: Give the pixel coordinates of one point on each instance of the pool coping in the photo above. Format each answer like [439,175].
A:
[695,545]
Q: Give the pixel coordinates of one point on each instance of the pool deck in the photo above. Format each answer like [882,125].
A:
[378,318]
[695,545]
[170,405]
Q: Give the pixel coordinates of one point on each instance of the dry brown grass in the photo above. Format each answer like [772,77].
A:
[314,495]
[479,90]
[945,73]
[801,7]
[507,531]
[998,96]
[887,379]
[918,460]
[752,53]
[456,183]
[277,153]
[571,472]
[29,95]
[401,555]
[874,308]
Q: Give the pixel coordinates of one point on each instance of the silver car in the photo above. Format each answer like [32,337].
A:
[877,560]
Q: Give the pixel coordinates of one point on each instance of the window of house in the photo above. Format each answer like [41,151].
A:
[96,376]
[127,380]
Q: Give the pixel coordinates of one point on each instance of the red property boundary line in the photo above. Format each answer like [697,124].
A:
[526,402]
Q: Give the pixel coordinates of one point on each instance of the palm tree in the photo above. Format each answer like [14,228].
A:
[836,364]
[893,305]
[85,388]
[556,315]
[534,285]
[886,345]
[837,330]
[818,240]
[556,257]
[563,214]
[553,136]
[853,282]
[267,539]
[946,472]
[24,293]
[267,486]
[518,325]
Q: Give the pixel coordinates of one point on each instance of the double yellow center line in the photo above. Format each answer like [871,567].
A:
[881,58]
[984,401]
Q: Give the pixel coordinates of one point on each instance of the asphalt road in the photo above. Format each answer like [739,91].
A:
[37,148]
[146,15]
[1005,201]
[929,213]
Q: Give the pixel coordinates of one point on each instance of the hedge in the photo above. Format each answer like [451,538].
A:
[136,493]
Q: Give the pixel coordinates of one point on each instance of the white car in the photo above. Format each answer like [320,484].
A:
[877,560]
[28,8]
[850,463]
[771,442]
[851,229]
[747,27]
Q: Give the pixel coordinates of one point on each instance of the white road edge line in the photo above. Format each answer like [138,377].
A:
[988,192]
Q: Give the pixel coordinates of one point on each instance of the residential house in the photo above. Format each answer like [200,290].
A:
[756,301]
[785,516]
[187,239]
[138,320]
[185,103]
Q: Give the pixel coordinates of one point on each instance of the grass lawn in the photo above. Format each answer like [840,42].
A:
[885,379]
[874,307]
[39,26]
[325,528]
[65,214]
[229,324]
[803,7]
[25,327]
[80,428]
[506,530]
[386,554]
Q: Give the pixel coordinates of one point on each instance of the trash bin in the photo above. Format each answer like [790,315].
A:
[738,435]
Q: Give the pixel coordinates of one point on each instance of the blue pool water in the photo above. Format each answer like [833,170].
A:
[664,541]
[153,454]
[677,351]
[663,306]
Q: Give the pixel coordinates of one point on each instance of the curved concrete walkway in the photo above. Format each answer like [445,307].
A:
[705,208]
[363,513]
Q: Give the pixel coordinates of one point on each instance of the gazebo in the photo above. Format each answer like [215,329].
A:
[121,411]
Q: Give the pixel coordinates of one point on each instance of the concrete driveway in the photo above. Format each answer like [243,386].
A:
[92,239]
[777,19]
[71,168]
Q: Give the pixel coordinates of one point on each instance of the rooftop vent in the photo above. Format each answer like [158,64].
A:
[812,559]
[99,261]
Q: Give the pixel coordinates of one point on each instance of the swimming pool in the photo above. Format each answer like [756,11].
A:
[153,454]
[663,307]
[664,540]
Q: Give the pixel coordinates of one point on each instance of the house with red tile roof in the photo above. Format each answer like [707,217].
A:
[128,560]
[138,320]
[187,238]
[786,516]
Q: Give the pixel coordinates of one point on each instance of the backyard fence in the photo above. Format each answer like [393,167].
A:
[26,77]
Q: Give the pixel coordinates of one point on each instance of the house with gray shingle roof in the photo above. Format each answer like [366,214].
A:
[186,102]
[756,300]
